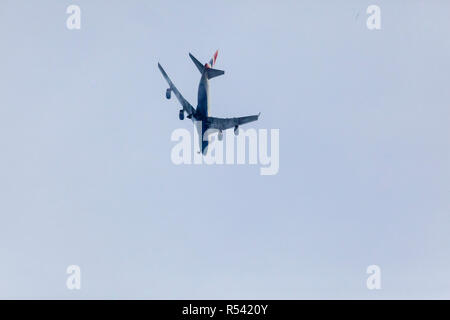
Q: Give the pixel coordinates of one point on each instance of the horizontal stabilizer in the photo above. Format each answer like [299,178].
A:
[211,73]
[197,63]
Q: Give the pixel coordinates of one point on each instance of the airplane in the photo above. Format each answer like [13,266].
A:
[200,116]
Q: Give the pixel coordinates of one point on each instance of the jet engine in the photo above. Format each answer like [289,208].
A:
[181,115]
[168,92]
[236,130]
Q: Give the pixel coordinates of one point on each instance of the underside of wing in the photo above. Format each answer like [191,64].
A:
[190,110]
[227,123]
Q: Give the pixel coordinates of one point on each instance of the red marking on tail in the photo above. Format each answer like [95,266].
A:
[212,62]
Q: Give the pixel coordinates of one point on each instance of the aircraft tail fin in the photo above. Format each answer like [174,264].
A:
[212,73]
[213,60]
[208,65]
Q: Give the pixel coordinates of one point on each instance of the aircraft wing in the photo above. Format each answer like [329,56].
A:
[226,123]
[190,110]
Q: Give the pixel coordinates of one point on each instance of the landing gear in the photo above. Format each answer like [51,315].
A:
[220,135]
[236,130]
[181,115]
[168,93]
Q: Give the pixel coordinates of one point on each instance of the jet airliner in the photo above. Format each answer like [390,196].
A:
[200,115]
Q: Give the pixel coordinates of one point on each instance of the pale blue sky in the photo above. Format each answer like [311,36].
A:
[86,176]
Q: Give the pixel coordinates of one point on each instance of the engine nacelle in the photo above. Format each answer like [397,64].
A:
[236,130]
[220,135]
[181,115]
[168,93]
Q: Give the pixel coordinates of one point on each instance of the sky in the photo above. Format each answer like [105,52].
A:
[86,176]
